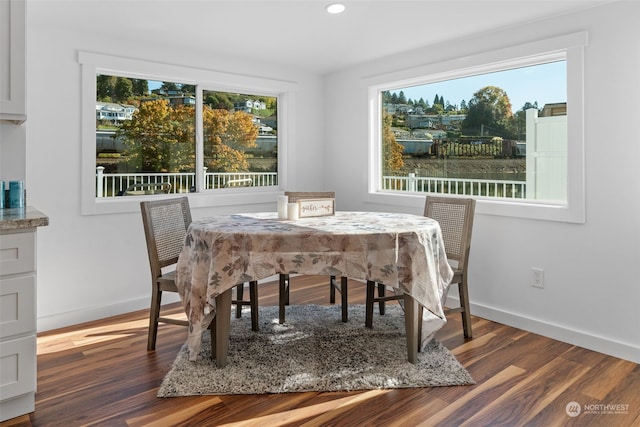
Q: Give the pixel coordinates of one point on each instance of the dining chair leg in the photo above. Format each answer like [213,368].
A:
[287,289]
[283,297]
[253,297]
[239,297]
[381,292]
[212,332]
[371,289]
[466,311]
[332,289]
[343,294]
[154,314]
[420,312]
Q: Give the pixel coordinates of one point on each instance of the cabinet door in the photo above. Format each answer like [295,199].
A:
[12,61]
[17,367]
[17,253]
[17,305]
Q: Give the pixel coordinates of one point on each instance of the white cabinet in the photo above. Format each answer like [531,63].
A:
[13,93]
[17,322]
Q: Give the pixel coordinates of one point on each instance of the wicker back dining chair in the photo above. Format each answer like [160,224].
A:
[165,224]
[455,217]
[285,281]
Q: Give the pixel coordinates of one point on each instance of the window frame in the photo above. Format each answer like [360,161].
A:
[93,64]
[569,47]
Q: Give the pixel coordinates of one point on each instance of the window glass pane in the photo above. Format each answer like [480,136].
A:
[145,137]
[240,135]
[500,134]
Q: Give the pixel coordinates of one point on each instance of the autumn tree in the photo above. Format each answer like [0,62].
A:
[391,150]
[491,107]
[160,138]
[226,136]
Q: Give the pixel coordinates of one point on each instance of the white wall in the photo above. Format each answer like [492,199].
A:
[95,266]
[592,294]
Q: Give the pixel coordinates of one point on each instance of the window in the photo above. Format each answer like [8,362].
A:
[506,129]
[474,141]
[209,134]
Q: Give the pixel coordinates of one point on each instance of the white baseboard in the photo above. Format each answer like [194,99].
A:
[571,336]
[69,318]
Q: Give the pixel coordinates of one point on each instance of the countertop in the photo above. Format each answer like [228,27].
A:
[21,218]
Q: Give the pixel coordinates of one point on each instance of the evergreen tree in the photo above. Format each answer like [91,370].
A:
[123,89]
[140,87]
[104,87]
[169,87]
[188,89]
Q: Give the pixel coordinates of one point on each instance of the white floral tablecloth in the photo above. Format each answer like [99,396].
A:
[400,250]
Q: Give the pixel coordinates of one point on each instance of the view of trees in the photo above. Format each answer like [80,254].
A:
[488,112]
[120,89]
[391,150]
[488,117]
[226,135]
[160,137]
[490,106]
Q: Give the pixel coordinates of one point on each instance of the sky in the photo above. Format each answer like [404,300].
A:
[544,83]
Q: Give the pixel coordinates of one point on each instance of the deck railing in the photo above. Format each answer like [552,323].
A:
[116,184]
[460,186]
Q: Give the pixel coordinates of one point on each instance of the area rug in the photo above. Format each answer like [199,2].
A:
[314,351]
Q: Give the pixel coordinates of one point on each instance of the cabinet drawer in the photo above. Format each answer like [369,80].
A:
[17,367]
[17,305]
[17,252]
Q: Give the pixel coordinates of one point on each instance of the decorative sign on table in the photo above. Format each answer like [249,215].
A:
[316,207]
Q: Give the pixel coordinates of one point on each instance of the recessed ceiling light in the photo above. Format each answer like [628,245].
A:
[335,8]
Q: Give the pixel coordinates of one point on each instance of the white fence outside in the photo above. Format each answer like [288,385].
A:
[112,185]
[466,186]
[116,184]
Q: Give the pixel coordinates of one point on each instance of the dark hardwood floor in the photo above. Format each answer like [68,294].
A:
[100,373]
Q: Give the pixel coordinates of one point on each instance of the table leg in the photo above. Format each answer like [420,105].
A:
[411,326]
[223,322]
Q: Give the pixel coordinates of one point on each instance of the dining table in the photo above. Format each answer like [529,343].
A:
[403,251]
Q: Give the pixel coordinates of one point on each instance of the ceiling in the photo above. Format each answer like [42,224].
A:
[296,33]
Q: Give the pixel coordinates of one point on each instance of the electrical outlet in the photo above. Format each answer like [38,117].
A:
[537,278]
